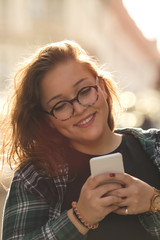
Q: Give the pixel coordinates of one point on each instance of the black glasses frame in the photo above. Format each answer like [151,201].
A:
[72,101]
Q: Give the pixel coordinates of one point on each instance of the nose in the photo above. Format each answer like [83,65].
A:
[78,108]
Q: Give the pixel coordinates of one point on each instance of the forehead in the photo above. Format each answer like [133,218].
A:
[63,77]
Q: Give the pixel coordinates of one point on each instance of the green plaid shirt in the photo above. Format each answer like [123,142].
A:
[33,204]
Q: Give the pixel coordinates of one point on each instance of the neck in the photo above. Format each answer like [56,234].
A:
[107,144]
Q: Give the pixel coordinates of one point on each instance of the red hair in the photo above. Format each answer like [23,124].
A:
[27,136]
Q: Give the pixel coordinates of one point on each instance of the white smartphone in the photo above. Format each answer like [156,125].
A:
[111,163]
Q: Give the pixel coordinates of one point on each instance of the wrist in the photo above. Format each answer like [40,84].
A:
[83,230]
[154,202]
[81,218]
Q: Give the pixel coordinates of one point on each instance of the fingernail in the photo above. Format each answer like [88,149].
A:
[123,185]
[123,197]
[112,174]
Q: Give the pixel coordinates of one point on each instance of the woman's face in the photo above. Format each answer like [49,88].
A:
[87,124]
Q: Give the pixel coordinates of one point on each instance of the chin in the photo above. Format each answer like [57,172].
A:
[94,136]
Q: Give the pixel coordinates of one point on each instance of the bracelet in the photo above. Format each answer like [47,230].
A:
[81,219]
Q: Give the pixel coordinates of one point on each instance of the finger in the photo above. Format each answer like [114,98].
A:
[111,208]
[122,211]
[124,202]
[123,192]
[110,200]
[105,189]
[121,177]
[93,182]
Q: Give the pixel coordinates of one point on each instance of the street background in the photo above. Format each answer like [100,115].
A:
[123,35]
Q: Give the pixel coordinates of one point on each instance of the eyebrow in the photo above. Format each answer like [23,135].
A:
[75,85]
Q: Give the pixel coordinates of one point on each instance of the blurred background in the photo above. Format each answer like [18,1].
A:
[123,35]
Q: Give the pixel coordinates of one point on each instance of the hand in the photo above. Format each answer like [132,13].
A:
[136,195]
[94,202]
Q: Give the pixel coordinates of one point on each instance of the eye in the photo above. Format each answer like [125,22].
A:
[85,91]
[60,106]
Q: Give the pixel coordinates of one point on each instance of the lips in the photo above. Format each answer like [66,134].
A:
[86,121]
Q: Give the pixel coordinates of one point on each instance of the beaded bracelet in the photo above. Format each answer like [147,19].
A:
[81,219]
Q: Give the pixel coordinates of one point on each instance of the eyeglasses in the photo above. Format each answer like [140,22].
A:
[86,96]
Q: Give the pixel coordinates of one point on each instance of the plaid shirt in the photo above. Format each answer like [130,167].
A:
[33,204]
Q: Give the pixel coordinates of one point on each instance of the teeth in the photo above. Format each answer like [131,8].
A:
[86,120]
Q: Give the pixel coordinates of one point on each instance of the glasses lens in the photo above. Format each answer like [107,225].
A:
[63,110]
[88,96]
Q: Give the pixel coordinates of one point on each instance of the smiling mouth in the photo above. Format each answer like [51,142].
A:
[86,120]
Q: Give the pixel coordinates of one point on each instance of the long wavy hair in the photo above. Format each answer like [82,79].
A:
[26,135]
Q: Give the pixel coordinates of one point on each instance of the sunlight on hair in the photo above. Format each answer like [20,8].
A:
[2,105]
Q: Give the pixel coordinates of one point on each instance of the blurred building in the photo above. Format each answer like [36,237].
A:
[103,27]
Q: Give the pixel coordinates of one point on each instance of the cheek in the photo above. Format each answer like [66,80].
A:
[102,100]
[105,95]
[51,121]
[65,131]
[55,123]
[62,127]
[103,106]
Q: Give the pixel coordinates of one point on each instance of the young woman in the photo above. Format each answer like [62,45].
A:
[62,113]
